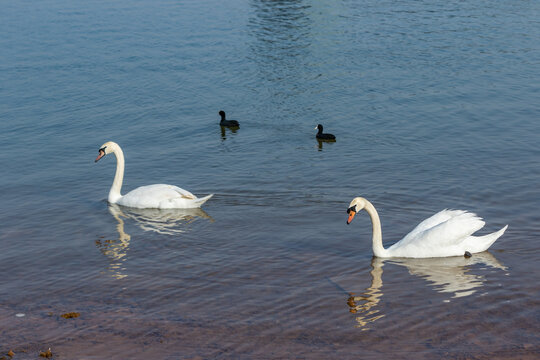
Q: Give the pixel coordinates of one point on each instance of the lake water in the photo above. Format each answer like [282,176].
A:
[435,104]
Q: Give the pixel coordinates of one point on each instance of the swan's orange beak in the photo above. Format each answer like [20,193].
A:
[351,216]
[101,154]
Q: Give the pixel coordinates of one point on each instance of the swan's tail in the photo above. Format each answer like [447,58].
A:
[482,243]
[200,201]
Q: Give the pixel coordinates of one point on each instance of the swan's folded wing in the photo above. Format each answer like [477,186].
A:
[450,232]
[183,193]
[430,223]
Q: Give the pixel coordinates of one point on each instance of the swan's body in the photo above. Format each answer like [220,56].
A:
[225,122]
[158,196]
[322,136]
[447,233]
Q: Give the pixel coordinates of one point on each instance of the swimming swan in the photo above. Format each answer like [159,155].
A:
[158,196]
[447,233]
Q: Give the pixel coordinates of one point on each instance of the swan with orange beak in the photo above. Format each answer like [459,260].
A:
[157,196]
[351,211]
[447,233]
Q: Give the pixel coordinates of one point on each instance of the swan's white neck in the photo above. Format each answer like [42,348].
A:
[378,249]
[114,193]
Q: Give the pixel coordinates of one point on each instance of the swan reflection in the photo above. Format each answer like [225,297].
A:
[449,275]
[116,250]
[365,305]
[162,221]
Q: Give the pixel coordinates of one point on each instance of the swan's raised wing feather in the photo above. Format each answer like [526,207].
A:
[449,232]
[430,223]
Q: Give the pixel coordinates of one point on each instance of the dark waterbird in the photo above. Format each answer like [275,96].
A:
[225,122]
[322,136]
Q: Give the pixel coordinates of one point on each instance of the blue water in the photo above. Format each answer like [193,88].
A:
[435,104]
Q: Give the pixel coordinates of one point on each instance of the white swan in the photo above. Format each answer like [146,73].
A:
[447,233]
[158,196]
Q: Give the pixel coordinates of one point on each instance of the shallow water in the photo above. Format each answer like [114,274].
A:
[434,105]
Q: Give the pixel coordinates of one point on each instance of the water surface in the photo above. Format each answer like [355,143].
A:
[434,105]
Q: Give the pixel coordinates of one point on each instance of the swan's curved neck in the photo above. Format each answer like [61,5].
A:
[378,249]
[114,193]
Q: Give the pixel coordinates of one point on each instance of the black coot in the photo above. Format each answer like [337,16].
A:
[322,136]
[225,122]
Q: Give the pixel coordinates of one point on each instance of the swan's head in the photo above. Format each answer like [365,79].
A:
[356,205]
[107,148]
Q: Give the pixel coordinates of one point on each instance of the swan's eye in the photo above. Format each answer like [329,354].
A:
[102,149]
[352,208]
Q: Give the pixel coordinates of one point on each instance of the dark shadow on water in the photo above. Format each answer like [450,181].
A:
[225,129]
[321,142]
